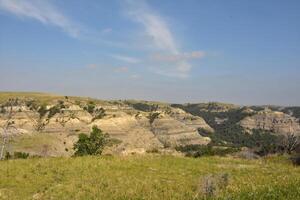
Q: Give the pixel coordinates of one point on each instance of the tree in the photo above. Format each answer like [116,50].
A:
[8,128]
[91,145]
[290,142]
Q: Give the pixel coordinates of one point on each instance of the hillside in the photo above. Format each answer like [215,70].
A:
[147,177]
[234,124]
[48,125]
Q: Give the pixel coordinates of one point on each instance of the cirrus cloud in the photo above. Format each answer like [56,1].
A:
[164,45]
[41,11]
[178,57]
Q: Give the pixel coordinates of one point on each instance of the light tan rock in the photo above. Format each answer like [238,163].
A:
[277,122]
[133,128]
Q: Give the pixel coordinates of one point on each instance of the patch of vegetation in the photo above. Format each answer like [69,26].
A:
[205,150]
[99,113]
[153,150]
[90,107]
[211,184]
[56,109]
[145,107]
[296,159]
[42,110]
[229,133]
[21,155]
[263,142]
[91,145]
[294,110]
[2,109]
[152,116]
[16,155]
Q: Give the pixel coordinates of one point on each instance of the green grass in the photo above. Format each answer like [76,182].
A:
[145,177]
[44,97]
[35,143]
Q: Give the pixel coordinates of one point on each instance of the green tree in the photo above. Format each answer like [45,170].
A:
[91,145]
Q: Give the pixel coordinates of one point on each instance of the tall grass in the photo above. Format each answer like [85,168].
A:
[146,177]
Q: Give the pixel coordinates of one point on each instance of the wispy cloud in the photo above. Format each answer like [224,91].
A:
[155,27]
[126,58]
[178,57]
[41,11]
[120,69]
[162,39]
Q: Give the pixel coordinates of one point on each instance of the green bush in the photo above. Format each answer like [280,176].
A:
[91,145]
[90,107]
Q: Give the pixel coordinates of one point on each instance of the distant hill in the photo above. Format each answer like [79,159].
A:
[48,124]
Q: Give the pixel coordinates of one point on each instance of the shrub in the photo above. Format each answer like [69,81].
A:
[21,155]
[53,110]
[152,116]
[42,110]
[99,114]
[203,150]
[296,160]
[154,150]
[2,110]
[7,156]
[210,185]
[91,145]
[146,107]
[90,107]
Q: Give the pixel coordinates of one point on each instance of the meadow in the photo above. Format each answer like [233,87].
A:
[151,176]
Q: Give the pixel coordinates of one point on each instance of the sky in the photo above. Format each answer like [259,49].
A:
[245,52]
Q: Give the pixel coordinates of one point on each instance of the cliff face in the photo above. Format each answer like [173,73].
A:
[53,131]
[277,122]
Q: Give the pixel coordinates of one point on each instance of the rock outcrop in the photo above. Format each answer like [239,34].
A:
[277,122]
[140,131]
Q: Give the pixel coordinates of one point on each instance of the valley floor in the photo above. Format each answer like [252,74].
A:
[146,177]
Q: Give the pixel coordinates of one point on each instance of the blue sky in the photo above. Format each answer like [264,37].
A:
[244,52]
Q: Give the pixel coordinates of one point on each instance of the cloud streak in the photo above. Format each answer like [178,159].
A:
[42,12]
[162,39]
[178,57]
[126,59]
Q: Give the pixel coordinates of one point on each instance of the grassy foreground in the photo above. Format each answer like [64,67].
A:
[146,177]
